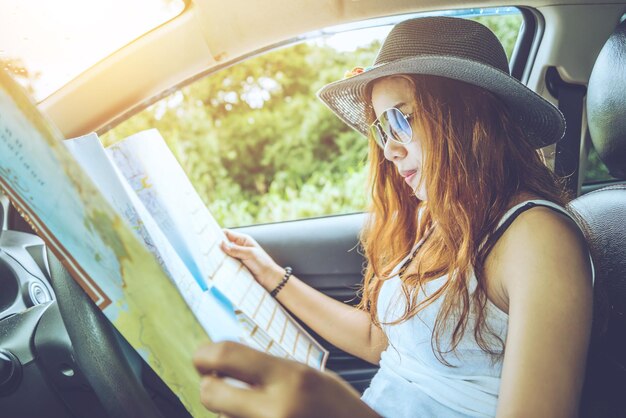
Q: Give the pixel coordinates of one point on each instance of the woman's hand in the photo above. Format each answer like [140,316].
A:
[278,388]
[245,248]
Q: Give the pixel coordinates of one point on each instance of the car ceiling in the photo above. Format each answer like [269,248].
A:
[212,34]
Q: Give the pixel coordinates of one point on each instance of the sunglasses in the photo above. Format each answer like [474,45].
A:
[394,124]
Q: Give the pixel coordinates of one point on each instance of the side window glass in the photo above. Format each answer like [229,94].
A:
[506,26]
[256,142]
[595,170]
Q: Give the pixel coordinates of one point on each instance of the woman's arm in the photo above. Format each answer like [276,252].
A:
[344,326]
[541,265]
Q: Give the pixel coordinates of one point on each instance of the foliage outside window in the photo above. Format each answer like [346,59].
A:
[595,170]
[259,146]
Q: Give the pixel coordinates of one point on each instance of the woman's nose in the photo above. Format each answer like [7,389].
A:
[394,150]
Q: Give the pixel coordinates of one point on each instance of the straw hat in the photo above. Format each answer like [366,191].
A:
[455,48]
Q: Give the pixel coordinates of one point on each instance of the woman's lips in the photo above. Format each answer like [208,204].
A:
[409,175]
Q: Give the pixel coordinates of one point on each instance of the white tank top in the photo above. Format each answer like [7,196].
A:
[411,382]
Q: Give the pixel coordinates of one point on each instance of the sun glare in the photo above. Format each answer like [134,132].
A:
[44,43]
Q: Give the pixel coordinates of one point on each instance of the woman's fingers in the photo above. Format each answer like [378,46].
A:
[235,360]
[254,257]
[218,395]
[239,239]
[237,251]
[279,387]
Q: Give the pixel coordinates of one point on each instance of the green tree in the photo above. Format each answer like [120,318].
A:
[506,28]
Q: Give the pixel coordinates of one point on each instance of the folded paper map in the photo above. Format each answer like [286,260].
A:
[129,227]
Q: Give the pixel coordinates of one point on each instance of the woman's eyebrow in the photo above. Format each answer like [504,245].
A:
[400,105]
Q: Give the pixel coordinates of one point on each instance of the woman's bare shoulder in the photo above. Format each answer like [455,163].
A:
[540,246]
[540,227]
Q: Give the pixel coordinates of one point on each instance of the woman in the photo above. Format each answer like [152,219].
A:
[469,250]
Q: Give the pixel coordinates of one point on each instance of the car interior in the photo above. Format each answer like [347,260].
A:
[59,355]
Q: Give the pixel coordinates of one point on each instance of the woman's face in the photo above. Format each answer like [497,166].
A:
[408,158]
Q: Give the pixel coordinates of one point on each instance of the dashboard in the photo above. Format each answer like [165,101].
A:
[23,283]
[39,374]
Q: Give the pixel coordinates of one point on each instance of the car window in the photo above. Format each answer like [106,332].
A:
[45,44]
[595,170]
[256,142]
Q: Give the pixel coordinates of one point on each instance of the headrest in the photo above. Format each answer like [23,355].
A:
[606,103]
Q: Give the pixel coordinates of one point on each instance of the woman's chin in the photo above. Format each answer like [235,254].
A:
[420,193]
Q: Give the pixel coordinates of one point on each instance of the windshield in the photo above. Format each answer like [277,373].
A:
[44,44]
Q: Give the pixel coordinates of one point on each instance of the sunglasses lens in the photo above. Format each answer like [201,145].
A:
[378,135]
[396,126]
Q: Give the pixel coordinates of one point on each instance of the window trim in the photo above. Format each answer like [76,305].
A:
[590,187]
[527,44]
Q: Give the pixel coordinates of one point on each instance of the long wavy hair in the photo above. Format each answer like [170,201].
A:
[477,159]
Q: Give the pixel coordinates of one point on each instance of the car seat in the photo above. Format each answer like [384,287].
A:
[602,213]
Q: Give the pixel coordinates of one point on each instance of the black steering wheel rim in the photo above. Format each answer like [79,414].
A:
[97,351]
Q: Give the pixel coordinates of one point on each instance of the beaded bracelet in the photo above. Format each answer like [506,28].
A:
[282,283]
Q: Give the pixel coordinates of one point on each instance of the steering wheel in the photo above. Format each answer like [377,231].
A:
[97,351]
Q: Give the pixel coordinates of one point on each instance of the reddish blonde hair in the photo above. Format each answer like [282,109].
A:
[477,160]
